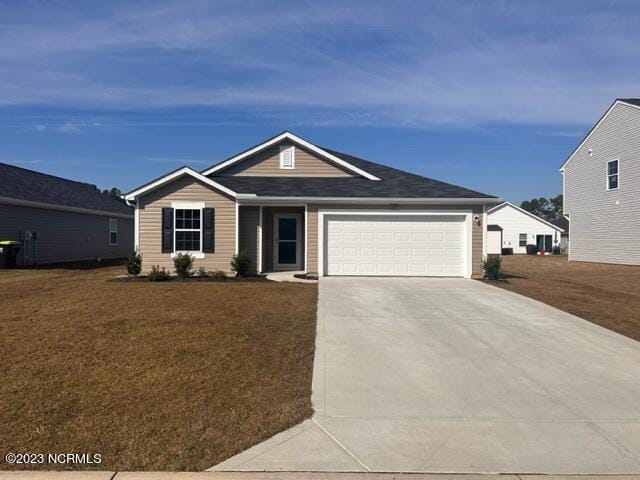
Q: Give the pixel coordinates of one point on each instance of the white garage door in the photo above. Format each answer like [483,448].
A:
[395,245]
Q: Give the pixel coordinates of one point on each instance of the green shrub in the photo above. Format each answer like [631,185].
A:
[240,263]
[134,263]
[219,276]
[492,267]
[158,274]
[202,273]
[183,263]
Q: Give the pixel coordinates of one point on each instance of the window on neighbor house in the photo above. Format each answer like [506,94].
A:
[188,231]
[523,240]
[113,231]
[612,175]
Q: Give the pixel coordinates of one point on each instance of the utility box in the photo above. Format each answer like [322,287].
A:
[8,253]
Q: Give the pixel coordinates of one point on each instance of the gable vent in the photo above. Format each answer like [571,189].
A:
[287,156]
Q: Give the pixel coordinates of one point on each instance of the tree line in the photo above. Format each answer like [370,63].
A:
[547,208]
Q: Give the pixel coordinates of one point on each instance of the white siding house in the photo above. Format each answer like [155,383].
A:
[519,228]
[601,180]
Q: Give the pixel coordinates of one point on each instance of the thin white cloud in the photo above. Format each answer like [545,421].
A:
[411,64]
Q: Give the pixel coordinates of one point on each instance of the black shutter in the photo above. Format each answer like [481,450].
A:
[209,230]
[167,230]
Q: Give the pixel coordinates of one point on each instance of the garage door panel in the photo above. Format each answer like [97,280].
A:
[402,245]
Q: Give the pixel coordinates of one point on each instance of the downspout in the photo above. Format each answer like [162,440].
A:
[136,222]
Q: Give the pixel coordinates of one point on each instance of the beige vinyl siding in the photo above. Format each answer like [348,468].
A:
[312,216]
[63,236]
[186,189]
[312,239]
[267,164]
[604,224]
[249,232]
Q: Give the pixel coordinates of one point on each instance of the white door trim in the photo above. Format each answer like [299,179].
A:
[286,266]
[468,230]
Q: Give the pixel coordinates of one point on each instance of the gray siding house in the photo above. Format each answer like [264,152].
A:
[601,183]
[60,220]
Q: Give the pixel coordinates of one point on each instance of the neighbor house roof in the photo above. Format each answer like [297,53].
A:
[635,102]
[522,210]
[562,222]
[33,188]
[631,101]
[392,183]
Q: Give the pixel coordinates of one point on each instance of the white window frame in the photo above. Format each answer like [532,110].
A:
[292,150]
[526,240]
[187,206]
[617,174]
[112,222]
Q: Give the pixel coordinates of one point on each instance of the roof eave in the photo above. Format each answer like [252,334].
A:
[593,129]
[257,199]
[171,177]
[63,208]
[522,210]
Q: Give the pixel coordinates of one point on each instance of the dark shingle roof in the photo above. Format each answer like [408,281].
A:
[561,222]
[393,183]
[632,101]
[23,184]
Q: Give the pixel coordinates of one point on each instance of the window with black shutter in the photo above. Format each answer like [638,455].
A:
[208,230]
[167,230]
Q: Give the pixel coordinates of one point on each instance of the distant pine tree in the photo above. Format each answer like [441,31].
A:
[549,209]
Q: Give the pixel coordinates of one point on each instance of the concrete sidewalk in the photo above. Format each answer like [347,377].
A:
[424,375]
[285,476]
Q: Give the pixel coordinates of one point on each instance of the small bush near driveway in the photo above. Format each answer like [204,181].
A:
[492,267]
[608,295]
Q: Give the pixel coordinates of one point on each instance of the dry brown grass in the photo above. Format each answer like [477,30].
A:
[153,376]
[608,295]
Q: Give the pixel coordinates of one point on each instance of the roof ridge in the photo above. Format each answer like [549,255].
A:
[245,150]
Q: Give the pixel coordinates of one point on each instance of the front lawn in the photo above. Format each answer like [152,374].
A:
[608,295]
[152,376]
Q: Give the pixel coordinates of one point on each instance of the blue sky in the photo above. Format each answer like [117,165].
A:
[492,95]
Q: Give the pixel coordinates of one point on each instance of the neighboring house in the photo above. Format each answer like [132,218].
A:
[60,220]
[601,183]
[513,227]
[563,223]
[295,206]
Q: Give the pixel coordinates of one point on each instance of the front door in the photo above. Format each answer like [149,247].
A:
[286,245]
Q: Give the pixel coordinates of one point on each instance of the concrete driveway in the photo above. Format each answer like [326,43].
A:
[451,375]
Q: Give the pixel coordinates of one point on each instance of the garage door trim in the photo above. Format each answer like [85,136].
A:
[467,214]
